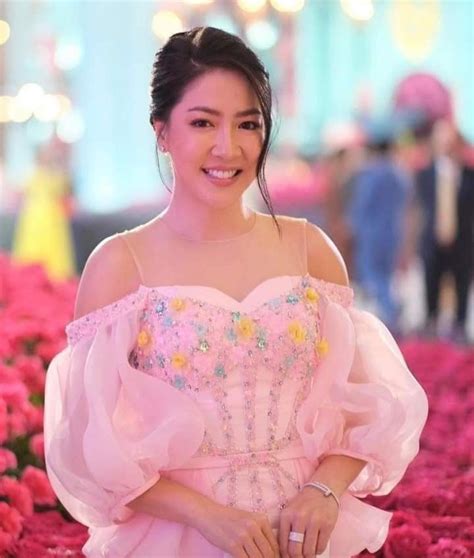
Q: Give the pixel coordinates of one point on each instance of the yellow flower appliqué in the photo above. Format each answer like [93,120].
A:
[178,360]
[297,332]
[246,327]
[322,347]
[144,339]
[177,304]
[311,294]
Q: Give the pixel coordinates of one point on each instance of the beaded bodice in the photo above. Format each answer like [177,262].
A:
[248,365]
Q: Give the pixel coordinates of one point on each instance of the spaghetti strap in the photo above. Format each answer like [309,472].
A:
[128,244]
[304,244]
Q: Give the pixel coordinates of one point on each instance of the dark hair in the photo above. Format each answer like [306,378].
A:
[190,54]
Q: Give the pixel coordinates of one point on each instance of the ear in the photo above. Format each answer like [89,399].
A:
[160,130]
[160,133]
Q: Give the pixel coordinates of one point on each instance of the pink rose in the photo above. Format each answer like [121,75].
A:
[463,487]
[34,417]
[48,533]
[401,517]
[11,520]
[18,495]
[6,350]
[38,483]
[7,460]
[26,548]
[17,424]
[434,499]
[31,371]
[14,393]
[3,421]
[6,542]
[407,541]
[36,445]
[447,548]
[444,526]
[52,521]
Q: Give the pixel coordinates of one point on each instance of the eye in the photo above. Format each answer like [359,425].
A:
[251,125]
[200,123]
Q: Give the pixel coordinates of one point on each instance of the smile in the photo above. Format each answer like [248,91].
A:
[222,174]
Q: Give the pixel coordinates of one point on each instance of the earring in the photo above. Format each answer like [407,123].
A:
[162,148]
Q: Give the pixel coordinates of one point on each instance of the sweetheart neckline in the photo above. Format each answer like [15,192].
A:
[277,278]
[227,301]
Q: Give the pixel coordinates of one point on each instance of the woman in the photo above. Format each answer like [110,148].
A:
[216,365]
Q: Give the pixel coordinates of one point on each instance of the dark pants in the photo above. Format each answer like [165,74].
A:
[446,260]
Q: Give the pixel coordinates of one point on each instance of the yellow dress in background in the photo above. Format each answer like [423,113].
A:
[42,233]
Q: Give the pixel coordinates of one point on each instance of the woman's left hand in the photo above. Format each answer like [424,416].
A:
[312,513]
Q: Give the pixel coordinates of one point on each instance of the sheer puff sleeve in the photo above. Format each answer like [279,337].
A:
[364,401]
[109,428]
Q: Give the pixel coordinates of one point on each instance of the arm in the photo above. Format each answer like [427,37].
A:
[325,262]
[173,501]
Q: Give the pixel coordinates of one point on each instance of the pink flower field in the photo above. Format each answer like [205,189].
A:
[433,505]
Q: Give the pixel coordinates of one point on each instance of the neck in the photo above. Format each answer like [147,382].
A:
[201,223]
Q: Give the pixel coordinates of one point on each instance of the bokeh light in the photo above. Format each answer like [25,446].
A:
[5,104]
[20,110]
[262,34]
[198,2]
[358,10]
[291,6]
[68,55]
[165,23]
[251,6]
[4,31]
[71,127]
[31,94]
[48,109]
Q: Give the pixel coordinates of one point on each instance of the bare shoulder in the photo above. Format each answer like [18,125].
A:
[324,259]
[110,274]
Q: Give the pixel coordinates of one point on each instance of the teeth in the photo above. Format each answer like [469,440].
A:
[221,173]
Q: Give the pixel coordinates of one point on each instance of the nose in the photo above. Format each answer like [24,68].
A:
[226,143]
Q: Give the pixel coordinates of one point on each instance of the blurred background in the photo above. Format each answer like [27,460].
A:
[373,142]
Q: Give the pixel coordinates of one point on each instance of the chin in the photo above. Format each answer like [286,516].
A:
[221,199]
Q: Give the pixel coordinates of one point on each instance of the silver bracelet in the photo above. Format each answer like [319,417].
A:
[325,489]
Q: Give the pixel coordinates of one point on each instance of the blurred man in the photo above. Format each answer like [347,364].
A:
[377,214]
[445,193]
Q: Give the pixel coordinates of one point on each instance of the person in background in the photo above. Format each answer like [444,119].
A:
[377,210]
[43,233]
[445,197]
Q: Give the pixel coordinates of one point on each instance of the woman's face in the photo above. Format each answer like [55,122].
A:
[214,137]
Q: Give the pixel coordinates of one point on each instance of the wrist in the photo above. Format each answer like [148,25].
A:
[323,489]
[204,512]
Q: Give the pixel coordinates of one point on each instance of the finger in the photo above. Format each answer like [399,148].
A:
[311,539]
[283,534]
[323,540]
[263,544]
[296,548]
[252,549]
[268,532]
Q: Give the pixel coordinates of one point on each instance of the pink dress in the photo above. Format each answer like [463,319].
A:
[239,400]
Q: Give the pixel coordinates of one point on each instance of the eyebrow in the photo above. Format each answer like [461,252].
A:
[248,112]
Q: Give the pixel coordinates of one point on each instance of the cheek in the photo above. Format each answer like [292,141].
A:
[253,147]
